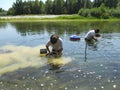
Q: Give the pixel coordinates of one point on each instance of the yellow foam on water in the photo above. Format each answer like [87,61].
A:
[20,57]
[24,56]
[59,61]
[42,55]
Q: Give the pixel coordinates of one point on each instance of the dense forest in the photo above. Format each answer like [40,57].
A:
[86,8]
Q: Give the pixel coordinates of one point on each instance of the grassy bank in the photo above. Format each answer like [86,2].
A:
[52,18]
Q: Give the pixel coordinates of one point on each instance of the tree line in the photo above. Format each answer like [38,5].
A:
[86,8]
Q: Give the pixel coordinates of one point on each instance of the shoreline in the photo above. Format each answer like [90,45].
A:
[29,16]
[41,18]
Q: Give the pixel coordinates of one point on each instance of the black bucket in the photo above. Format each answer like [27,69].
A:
[43,52]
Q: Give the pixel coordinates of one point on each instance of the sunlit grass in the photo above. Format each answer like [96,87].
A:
[74,17]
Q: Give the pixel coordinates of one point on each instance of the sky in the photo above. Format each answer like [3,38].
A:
[6,4]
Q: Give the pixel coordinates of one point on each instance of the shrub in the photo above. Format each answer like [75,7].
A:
[95,12]
[84,12]
[3,13]
[98,12]
[105,16]
[116,13]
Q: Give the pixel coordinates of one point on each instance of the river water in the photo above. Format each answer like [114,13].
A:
[94,67]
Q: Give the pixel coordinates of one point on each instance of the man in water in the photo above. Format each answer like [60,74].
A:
[57,46]
[92,35]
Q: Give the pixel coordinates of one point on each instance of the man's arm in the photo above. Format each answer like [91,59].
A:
[48,49]
[95,38]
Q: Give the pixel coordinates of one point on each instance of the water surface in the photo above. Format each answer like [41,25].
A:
[93,68]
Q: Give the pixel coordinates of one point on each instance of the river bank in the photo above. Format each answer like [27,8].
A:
[52,18]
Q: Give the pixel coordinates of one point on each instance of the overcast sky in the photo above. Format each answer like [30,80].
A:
[6,4]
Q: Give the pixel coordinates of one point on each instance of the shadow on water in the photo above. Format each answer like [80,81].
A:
[56,64]
[55,68]
[85,52]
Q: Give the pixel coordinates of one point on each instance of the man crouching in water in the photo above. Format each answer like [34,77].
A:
[57,46]
[92,35]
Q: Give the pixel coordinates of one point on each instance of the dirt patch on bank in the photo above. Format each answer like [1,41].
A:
[30,16]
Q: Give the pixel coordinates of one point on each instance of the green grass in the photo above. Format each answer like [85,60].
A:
[59,18]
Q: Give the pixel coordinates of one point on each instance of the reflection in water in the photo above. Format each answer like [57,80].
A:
[56,63]
[54,67]
[31,28]
[91,46]
[59,61]
[85,52]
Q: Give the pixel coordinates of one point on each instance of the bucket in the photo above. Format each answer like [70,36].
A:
[43,52]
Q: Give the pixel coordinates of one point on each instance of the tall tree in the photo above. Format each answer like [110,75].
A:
[87,4]
[26,8]
[18,7]
[97,3]
[111,3]
[2,10]
[49,7]
[108,3]
[36,7]
[58,6]
[42,8]
[70,4]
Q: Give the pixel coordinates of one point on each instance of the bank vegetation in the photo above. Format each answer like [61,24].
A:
[77,9]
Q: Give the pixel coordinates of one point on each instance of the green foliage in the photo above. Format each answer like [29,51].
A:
[58,6]
[108,3]
[111,3]
[84,12]
[11,11]
[48,6]
[95,12]
[115,13]
[103,11]
[26,7]
[98,8]
[2,12]
[100,12]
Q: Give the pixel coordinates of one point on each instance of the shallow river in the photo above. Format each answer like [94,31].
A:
[95,67]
